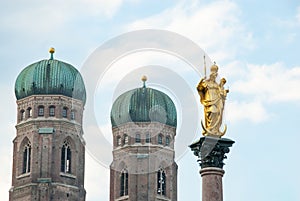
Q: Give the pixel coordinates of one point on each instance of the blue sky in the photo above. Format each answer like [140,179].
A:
[255,43]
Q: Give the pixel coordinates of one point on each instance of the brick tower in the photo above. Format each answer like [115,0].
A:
[144,128]
[49,153]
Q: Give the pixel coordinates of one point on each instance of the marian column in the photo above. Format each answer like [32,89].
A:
[211,149]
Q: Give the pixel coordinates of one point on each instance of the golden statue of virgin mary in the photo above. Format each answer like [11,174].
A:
[212,97]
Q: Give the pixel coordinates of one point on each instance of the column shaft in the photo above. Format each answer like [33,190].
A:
[212,188]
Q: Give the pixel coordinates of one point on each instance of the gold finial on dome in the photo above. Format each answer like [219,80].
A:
[144,79]
[51,51]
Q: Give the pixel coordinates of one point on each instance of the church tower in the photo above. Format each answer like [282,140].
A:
[49,153]
[144,127]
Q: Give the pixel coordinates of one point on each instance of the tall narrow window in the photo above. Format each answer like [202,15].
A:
[22,115]
[26,158]
[137,138]
[161,182]
[65,112]
[124,183]
[66,158]
[148,138]
[160,139]
[41,111]
[126,139]
[119,140]
[167,141]
[51,111]
[29,112]
[73,115]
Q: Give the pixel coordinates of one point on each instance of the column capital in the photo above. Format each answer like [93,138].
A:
[211,151]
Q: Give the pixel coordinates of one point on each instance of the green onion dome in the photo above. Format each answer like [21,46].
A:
[143,105]
[50,77]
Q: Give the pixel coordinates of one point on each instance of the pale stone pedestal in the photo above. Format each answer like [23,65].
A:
[212,189]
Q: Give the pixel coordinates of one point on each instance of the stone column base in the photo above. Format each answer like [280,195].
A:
[212,189]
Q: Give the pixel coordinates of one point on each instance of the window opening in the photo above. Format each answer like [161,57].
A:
[51,111]
[124,183]
[119,141]
[41,111]
[148,138]
[161,182]
[160,139]
[65,112]
[72,115]
[29,112]
[126,139]
[66,158]
[167,141]
[138,138]
[22,115]
[26,158]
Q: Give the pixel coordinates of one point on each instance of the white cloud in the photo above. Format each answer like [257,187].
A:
[258,86]
[38,18]
[288,23]
[99,7]
[270,83]
[298,15]
[215,26]
[253,111]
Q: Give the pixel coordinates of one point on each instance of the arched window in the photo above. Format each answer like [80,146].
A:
[41,111]
[22,113]
[137,138]
[161,182]
[160,137]
[126,139]
[66,157]
[124,183]
[29,112]
[119,141]
[26,158]
[148,138]
[52,111]
[167,140]
[73,115]
[65,112]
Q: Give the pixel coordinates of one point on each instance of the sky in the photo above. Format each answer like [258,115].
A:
[255,43]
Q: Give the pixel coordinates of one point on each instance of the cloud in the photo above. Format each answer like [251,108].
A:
[257,87]
[270,83]
[38,18]
[288,23]
[253,111]
[298,15]
[215,26]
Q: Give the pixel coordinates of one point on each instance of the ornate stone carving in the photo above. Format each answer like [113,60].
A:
[211,151]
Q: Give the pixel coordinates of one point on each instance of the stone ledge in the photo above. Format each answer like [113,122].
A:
[23,175]
[67,175]
[159,197]
[126,197]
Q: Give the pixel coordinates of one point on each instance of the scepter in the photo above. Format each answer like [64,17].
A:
[204,67]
